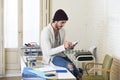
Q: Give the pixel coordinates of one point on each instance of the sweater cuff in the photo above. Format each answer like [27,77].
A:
[63,48]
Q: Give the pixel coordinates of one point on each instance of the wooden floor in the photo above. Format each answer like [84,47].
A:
[11,78]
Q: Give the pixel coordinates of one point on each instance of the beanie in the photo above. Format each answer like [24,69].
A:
[60,15]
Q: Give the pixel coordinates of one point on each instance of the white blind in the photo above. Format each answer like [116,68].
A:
[11,23]
[31,21]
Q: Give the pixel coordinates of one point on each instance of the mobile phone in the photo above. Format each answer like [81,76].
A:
[50,75]
[75,42]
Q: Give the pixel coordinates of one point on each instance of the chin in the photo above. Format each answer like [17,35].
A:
[60,27]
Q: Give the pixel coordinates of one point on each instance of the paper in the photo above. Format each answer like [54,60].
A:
[51,69]
[46,69]
[40,73]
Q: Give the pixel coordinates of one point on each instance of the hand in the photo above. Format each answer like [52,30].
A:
[70,66]
[68,45]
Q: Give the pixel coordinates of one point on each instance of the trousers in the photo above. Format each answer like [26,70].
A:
[63,62]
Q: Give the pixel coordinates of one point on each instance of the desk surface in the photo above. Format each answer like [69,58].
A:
[60,76]
[64,76]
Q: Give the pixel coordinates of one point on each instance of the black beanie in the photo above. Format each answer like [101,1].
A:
[60,15]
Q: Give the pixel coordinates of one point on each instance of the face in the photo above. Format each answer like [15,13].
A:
[60,24]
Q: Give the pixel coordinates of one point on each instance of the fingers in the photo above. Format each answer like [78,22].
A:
[68,45]
[70,66]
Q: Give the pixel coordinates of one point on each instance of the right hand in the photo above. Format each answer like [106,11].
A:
[68,45]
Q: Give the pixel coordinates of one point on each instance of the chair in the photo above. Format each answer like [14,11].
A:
[106,66]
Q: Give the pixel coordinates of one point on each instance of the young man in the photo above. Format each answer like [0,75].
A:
[53,44]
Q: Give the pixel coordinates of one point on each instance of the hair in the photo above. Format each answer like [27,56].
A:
[60,15]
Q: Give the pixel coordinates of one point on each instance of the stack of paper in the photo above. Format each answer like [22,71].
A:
[45,69]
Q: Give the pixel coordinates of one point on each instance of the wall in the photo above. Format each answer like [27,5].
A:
[93,22]
[86,21]
[113,24]
[108,35]
[77,13]
[97,27]
[112,37]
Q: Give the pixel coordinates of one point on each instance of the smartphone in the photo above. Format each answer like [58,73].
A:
[75,42]
[50,75]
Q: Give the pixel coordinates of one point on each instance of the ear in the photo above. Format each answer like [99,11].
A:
[55,21]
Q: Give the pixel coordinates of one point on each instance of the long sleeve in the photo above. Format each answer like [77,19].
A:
[47,43]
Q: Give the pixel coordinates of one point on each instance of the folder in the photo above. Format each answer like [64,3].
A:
[27,74]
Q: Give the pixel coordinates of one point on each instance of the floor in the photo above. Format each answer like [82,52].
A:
[11,78]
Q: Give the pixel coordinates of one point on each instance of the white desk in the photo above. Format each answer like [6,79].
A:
[64,76]
[60,76]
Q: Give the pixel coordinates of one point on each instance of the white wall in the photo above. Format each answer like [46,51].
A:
[86,21]
[113,28]
[93,22]
[76,25]
[85,18]
[97,26]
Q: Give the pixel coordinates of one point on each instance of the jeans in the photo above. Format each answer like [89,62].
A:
[63,62]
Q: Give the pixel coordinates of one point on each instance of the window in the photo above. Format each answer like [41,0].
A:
[31,21]
[11,23]
[32,16]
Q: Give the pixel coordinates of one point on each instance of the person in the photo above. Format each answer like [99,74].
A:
[53,43]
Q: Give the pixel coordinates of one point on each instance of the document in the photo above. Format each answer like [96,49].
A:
[45,69]
[43,74]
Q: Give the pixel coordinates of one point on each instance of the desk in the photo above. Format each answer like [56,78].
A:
[80,58]
[60,76]
[64,76]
